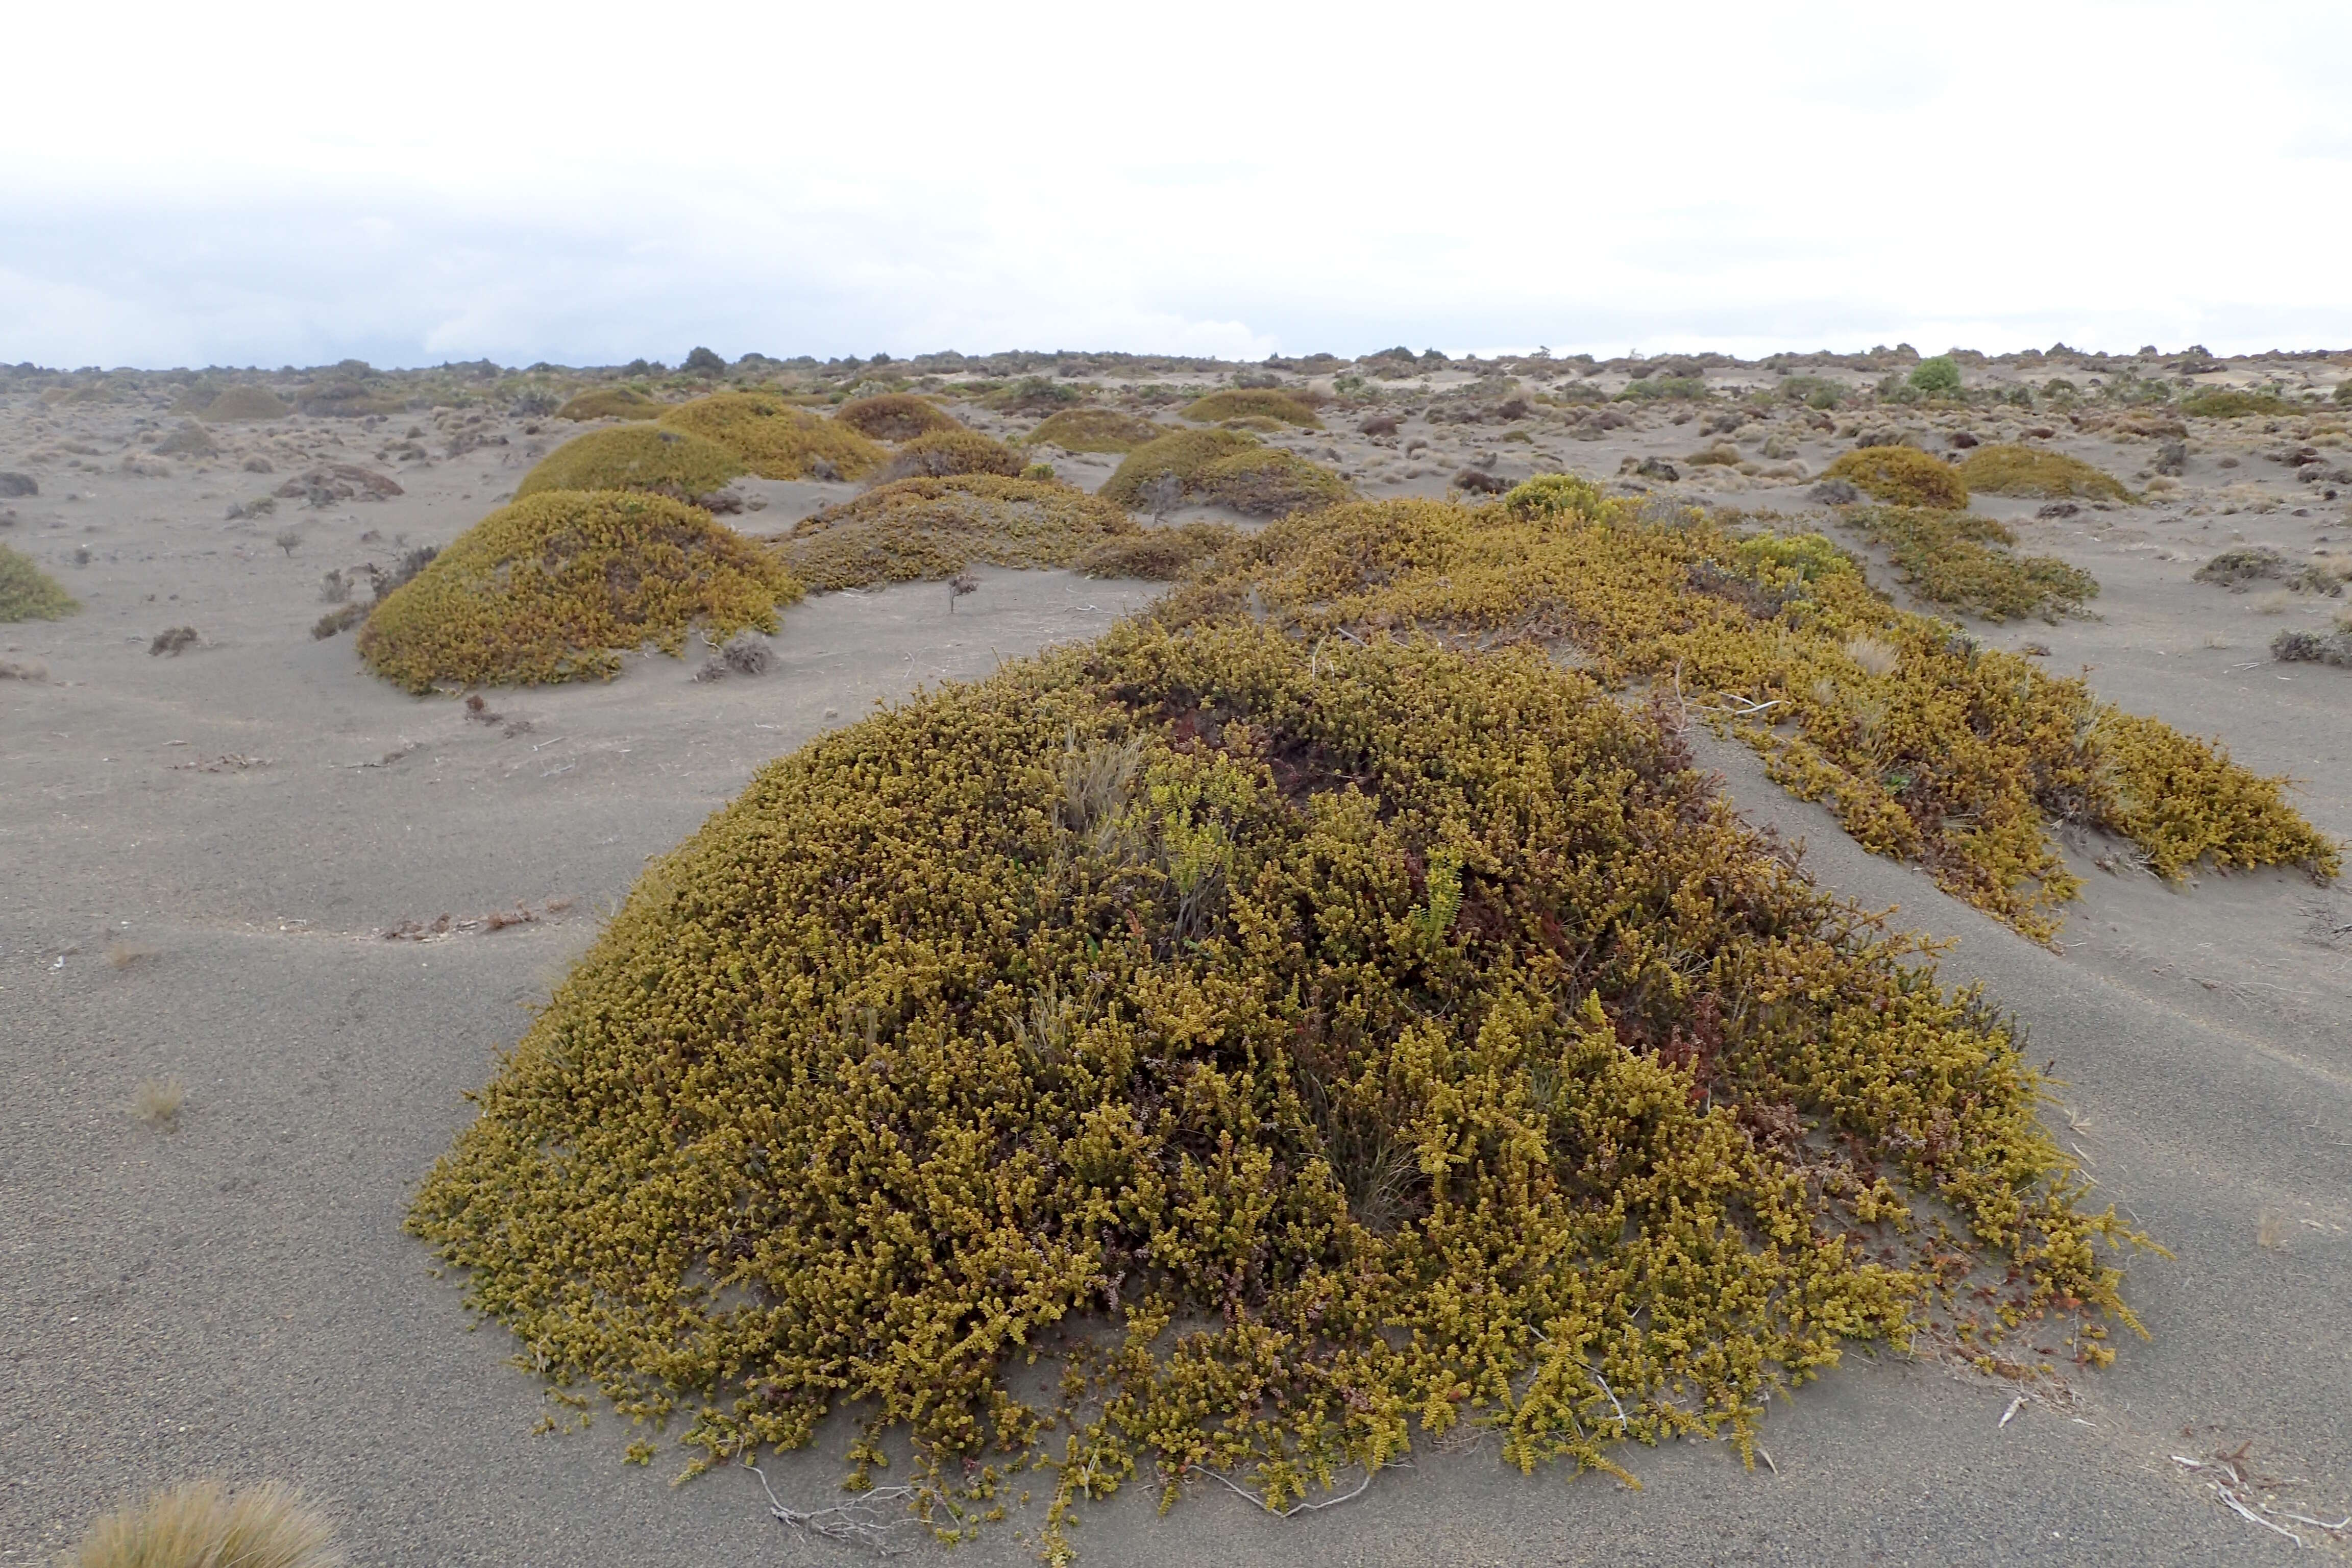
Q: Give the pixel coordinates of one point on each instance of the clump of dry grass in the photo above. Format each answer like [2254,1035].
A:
[2014,470]
[1248,402]
[1902,476]
[29,594]
[157,1100]
[199,1524]
[1093,430]
[775,439]
[642,456]
[611,403]
[895,416]
[931,529]
[942,454]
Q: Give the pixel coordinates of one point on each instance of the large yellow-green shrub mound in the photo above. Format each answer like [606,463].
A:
[235,402]
[611,403]
[943,453]
[1253,402]
[895,416]
[923,530]
[1225,468]
[1366,1040]
[29,594]
[1902,476]
[1093,430]
[2006,469]
[557,587]
[1928,748]
[634,458]
[776,441]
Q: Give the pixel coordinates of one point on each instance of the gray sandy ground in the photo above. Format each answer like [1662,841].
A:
[236,1296]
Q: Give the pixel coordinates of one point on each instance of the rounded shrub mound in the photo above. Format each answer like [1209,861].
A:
[235,402]
[923,530]
[776,441]
[634,458]
[1161,555]
[1228,467]
[2008,470]
[29,594]
[1902,476]
[1312,1048]
[1093,430]
[895,416]
[944,453]
[611,403]
[555,587]
[1246,402]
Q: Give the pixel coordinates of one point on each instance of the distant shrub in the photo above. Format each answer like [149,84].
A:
[29,594]
[1264,403]
[1159,555]
[895,416]
[634,458]
[1902,476]
[237,402]
[611,403]
[776,441]
[1964,563]
[1181,454]
[1939,376]
[2314,647]
[346,400]
[2220,403]
[554,587]
[198,1525]
[2018,470]
[1033,394]
[702,362]
[1654,388]
[944,453]
[1812,391]
[2344,391]
[188,441]
[2242,564]
[1093,430]
[931,529]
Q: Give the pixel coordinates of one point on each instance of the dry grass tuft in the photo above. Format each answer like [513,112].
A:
[1093,430]
[895,416]
[1876,656]
[1253,402]
[554,587]
[611,403]
[157,1100]
[29,594]
[931,529]
[640,457]
[2014,470]
[775,439]
[1902,476]
[200,1525]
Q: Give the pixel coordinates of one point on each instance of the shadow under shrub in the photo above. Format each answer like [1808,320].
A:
[557,587]
[1368,1039]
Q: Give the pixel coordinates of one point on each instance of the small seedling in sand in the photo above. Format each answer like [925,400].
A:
[157,1102]
[960,584]
[200,1525]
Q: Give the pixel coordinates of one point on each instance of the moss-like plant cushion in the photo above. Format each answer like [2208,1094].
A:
[943,453]
[1364,1041]
[1902,476]
[895,416]
[1093,430]
[555,587]
[611,403]
[1244,402]
[29,594]
[634,458]
[929,529]
[774,440]
[237,402]
[1162,554]
[1226,468]
[2005,469]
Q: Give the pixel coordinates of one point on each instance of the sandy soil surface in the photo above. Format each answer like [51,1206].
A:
[203,853]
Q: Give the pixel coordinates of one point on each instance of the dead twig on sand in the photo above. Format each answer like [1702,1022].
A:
[865,1519]
[2248,1493]
[1302,1505]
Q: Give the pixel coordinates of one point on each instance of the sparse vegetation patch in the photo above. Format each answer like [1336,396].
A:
[1965,562]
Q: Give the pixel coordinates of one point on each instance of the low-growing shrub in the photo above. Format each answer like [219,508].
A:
[1965,562]
[1093,430]
[944,453]
[1248,402]
[237,403]
[1962,761]
[556,586]
[2315,647]
[895,416]
[2006,469]
[2222,403]
[1226,468]
[776,441]
[1370,1042]
[29,594]
[931,529]
[1161,555]
[2243,563]
[1033,394]
[639,457]
[611,403]
[1655,388]
[1902,476]
[1937,376]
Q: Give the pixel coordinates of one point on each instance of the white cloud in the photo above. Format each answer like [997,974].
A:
[590,183]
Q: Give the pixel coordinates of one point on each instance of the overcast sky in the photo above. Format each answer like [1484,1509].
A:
[270,183]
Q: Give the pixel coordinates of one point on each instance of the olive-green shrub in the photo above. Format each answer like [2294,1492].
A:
[1226,468]
[929,528]
[1093,430]
[1260,402]
[895,416]
[1964,562]
[775,439]
[611,403]
[640,457]
[2008,470]
[29,594]
[943,453]
[1902,476]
